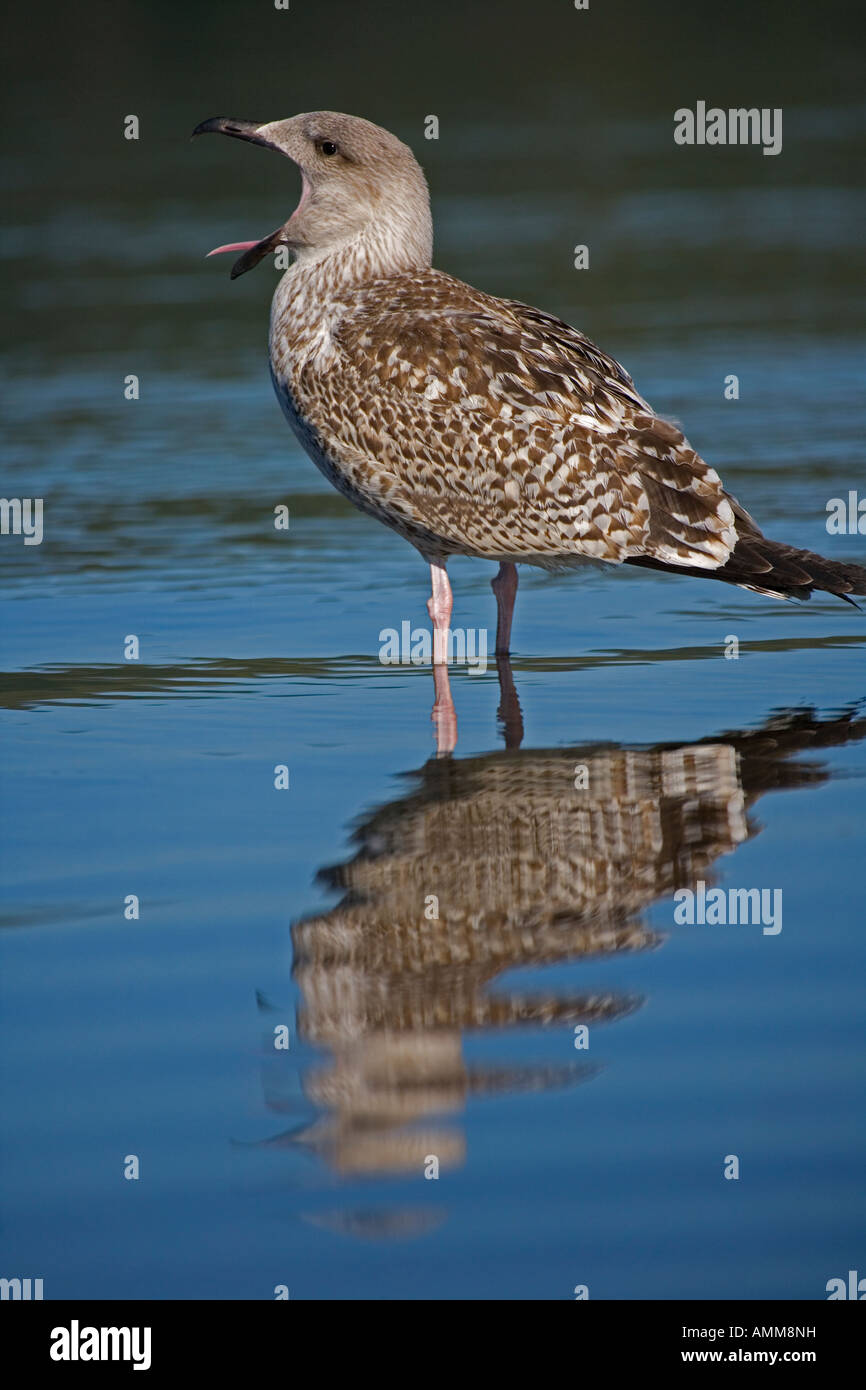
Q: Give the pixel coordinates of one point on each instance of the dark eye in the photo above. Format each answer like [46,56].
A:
[327,147]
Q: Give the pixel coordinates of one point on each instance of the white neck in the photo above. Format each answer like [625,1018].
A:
[379,250]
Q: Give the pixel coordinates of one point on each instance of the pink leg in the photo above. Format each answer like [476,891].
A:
[439,607]
[504,587]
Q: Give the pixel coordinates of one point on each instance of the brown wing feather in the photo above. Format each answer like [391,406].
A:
[504,432]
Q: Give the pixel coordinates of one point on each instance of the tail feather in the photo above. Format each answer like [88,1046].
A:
[780,571]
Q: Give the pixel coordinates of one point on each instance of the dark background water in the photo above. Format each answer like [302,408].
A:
[410,1037]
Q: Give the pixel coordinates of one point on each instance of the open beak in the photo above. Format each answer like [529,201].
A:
[253,251]
[241,130]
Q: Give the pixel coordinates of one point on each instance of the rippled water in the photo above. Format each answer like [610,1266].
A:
[413,1034]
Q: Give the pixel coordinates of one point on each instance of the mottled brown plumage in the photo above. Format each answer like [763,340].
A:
[481,427]
[471,424]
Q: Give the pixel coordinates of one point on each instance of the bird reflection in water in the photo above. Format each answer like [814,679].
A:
[560,852]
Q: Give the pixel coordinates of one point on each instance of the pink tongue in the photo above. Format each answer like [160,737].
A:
[232,246]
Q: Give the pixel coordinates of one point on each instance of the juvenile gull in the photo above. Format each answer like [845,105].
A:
[470,424]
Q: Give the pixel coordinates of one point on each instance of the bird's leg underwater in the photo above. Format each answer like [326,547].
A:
[444,714]
[504,586]
[509,711]
[439,606]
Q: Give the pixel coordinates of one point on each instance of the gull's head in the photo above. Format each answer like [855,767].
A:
[360,184]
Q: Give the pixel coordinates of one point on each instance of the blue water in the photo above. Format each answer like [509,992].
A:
[411,1036]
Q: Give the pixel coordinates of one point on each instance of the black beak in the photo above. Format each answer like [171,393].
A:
[241,130]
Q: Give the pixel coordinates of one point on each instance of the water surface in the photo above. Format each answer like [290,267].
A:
[413,1034]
